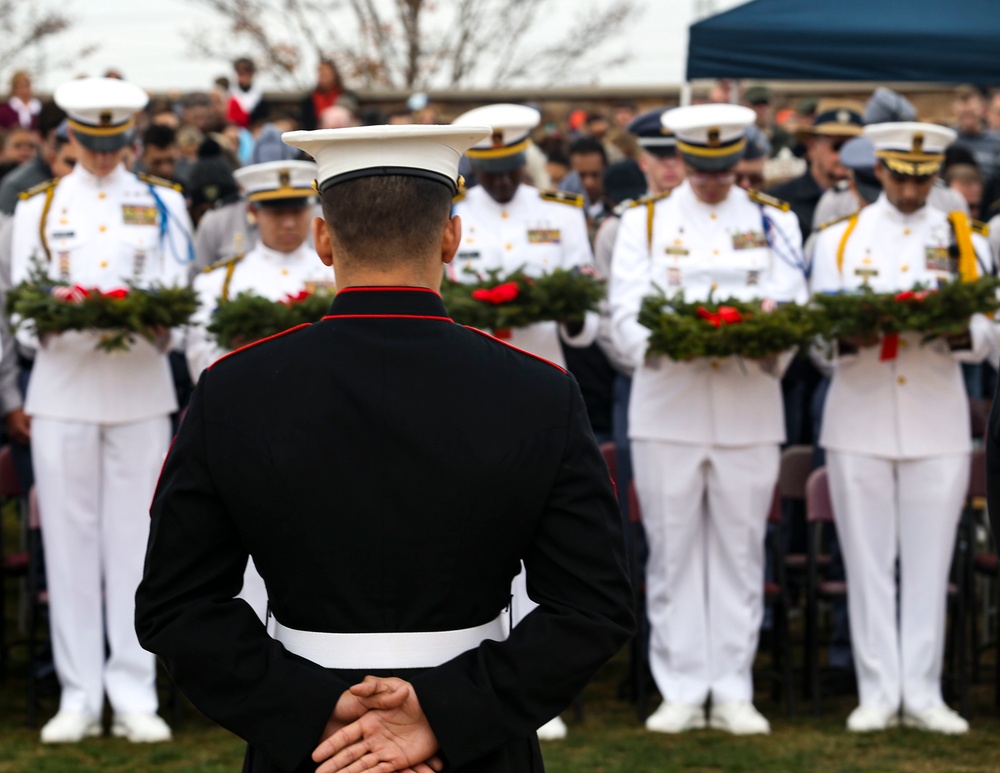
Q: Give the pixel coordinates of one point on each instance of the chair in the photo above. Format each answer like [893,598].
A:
[981,564]
[776,596]
[639,655]
[38,602]
[796,466]
[819,511]
[15,563]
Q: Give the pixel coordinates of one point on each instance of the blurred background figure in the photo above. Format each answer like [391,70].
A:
[22,107]
[324,96]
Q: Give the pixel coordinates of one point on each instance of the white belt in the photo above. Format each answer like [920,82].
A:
[422,649]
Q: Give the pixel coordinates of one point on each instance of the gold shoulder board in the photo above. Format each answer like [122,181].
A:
[40,188]
[841,219]
[769,201]
[224,263]
[650,198]
[979,227]
[562,197]
[153,180]
[460,196]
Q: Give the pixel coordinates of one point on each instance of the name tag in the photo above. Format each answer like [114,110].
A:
[937,259]
[678,251]
[749,240]
[469,255]
[544,236]
[134,215]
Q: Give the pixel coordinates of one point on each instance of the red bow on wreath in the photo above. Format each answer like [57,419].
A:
[913,295]
[726,315]
[890,341]
[298,297]
[118,293]
[502,293]
[73,294]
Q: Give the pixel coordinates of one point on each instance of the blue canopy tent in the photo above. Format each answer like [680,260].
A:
[953,41]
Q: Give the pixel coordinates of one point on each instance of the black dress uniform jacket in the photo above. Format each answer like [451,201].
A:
[387,469]
[803,193]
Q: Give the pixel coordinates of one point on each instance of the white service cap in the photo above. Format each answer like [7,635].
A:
[710,137]
[100,110]
[366,151]
[274,182]
[910,147]
[504,148]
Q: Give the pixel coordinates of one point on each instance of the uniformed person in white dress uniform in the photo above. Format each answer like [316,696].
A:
[100,422]
[896,433]
[281,200]
[705,433]
[510,224]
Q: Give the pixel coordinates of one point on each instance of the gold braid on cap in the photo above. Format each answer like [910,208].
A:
[100,131]
[909,163]
[704,152]
[501,152]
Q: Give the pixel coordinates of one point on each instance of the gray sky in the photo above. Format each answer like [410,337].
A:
[146,40]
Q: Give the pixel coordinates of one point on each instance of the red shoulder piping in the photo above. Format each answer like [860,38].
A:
[255,343]
[516,348]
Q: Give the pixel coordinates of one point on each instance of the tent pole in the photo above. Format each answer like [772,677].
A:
[685,93]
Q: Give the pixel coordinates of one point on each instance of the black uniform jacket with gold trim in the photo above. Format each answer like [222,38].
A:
[387,469]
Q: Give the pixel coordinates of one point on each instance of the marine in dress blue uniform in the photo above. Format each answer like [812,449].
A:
[388,471]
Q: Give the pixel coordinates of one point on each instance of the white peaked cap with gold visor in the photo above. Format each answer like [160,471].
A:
[431,152]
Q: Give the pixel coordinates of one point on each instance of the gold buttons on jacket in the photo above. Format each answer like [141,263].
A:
[508,246]
[102,228]
[901,380]
[906,232]
[504,215]
[102,195]
[104,264]
[714,216]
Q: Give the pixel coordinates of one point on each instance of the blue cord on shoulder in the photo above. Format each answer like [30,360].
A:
[793,257]
[164,219]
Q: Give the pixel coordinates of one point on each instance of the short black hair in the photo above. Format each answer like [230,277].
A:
[558,157]
[587,145]
[49,119]
[382,220]
[159,136]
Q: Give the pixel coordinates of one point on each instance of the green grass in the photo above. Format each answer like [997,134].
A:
[608,739]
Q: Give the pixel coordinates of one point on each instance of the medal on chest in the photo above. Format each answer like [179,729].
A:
[749,240]
[866,270]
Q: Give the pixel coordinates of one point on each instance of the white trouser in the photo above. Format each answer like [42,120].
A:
[95,484]
[907,508]
[704,510]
